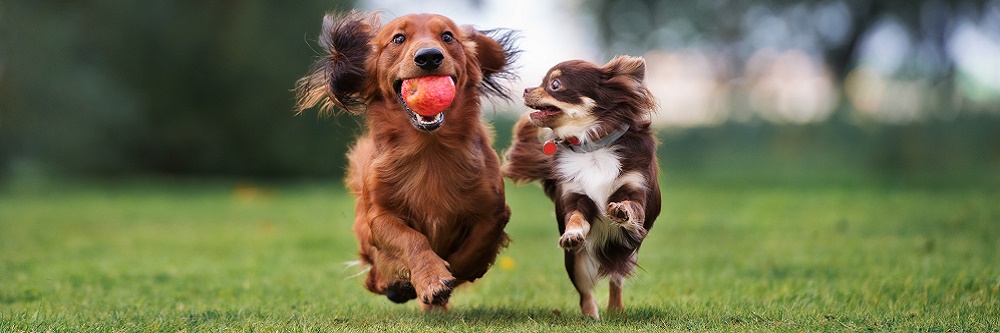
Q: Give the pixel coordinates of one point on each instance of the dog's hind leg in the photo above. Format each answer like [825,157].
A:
[582,269]
[615,304]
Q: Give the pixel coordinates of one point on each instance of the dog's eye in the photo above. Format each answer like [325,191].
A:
[398,39]
[447,37]
[555,85]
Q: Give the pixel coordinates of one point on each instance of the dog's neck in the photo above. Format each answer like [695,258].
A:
[576,145]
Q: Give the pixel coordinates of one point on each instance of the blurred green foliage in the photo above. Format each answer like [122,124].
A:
[960,152]
[106,87]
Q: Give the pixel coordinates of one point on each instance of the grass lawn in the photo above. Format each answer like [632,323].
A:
[724,256]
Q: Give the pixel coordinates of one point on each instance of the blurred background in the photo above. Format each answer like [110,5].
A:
[836,90]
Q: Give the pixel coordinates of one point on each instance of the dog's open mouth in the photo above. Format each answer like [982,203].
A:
[543,112]
[421,122]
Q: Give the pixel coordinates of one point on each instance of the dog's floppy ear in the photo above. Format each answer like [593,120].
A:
[338,77]
[494,53]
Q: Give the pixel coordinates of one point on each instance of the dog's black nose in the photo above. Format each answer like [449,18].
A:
[428,58]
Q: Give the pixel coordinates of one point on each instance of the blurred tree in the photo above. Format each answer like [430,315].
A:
[179,87]
[831,28]
[837,31]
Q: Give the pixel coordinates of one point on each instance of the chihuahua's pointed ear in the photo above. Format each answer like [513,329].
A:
[626,74]
[494,54]
[632,67]
[338,77]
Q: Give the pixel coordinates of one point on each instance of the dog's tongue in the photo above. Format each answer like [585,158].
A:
[428,95]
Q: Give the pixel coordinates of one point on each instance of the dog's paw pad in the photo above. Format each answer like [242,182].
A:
[571,240]
[619,212]
[440,296]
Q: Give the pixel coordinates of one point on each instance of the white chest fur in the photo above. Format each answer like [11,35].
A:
[597,175]
[593,174]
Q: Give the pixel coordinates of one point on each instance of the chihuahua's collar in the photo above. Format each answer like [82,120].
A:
[575,145]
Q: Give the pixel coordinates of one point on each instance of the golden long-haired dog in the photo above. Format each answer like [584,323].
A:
[430,209]
[598,164]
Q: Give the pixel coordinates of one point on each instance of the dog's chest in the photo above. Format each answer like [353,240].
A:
[435,186]
[593,174]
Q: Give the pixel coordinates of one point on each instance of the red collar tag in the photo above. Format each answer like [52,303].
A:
[549,148]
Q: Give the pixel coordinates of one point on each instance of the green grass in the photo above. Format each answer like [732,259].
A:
[771,256]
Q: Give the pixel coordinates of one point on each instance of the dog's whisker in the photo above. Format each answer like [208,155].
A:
[356,263]
[362,272]
[352,263]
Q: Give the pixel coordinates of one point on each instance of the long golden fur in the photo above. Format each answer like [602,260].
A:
[430,209]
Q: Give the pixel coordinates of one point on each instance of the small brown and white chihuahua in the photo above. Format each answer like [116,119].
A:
[588,141]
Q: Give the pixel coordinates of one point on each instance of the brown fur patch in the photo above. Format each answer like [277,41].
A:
[614,95]
[430,208]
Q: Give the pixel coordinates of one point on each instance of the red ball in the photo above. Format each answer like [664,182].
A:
[428,95]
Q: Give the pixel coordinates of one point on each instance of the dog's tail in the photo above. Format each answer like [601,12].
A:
[524,161]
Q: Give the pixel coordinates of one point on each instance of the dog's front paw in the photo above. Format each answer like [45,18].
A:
[433,281]
[572,239]
[626,215]
[620,213]
[441,293]
[400,291]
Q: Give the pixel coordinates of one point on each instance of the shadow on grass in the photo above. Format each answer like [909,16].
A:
[514,316]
